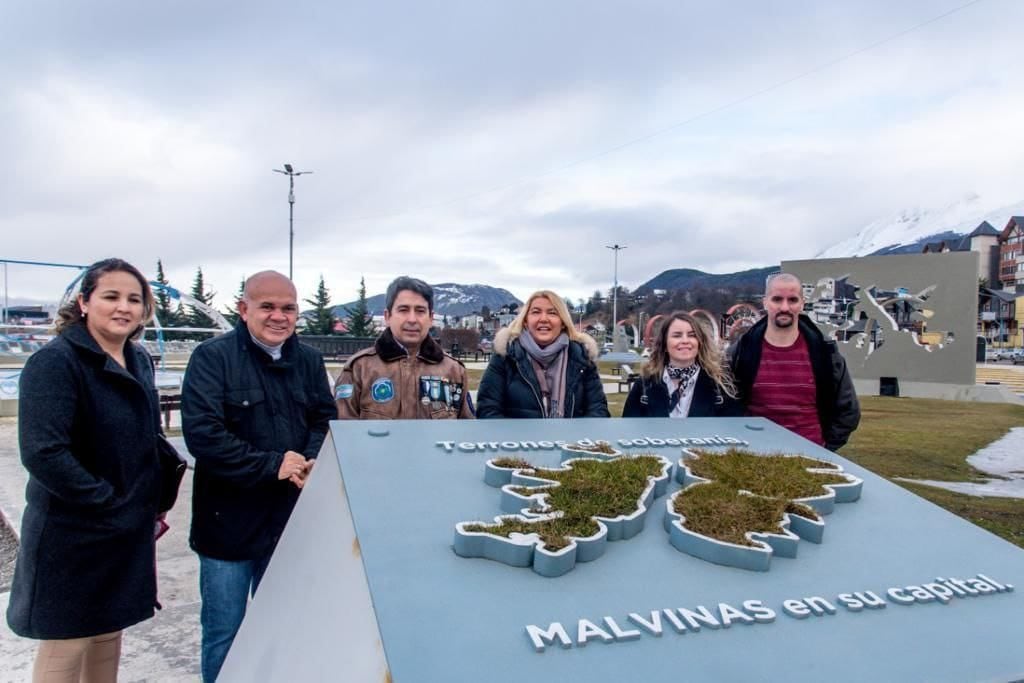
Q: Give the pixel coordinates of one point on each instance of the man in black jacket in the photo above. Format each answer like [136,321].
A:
[787,371]
[255,409]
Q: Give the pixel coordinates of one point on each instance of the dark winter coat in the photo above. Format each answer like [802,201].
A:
[87,429]
[649,397]
[240,412]
[838,407]
[509,386]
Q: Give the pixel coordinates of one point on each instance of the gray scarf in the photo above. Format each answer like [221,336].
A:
[549,366]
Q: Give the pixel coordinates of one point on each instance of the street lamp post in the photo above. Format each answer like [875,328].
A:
[288,171]
[615,297]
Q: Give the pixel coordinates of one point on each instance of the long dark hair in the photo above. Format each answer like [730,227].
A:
[709,355]
[71,313]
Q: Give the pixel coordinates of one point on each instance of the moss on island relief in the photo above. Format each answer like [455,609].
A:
[718,510]
[578,493]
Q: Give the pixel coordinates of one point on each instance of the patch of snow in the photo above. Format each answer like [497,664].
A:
[1003,458]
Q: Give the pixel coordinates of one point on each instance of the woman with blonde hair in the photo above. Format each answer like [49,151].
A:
[685,376]
[542,366]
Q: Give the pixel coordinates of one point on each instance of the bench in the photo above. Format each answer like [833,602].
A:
[169,402]
[475,356]
[626,376]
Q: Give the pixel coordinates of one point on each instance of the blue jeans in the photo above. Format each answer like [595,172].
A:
[224,587]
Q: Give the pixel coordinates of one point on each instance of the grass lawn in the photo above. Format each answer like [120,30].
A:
[930,439]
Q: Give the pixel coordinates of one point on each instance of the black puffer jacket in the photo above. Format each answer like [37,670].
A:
[509,386]
[648,397]
[838,407]
[240,412]
[87,431]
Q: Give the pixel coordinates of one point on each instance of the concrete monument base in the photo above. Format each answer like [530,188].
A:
[365,585]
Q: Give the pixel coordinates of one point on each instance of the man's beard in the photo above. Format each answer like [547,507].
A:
[788,320]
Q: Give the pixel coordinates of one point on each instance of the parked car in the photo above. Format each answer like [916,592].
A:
[1015,356]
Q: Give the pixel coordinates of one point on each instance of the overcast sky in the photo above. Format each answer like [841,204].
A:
[503,143]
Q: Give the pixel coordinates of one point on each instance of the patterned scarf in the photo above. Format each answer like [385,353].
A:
[684,376]
[549,366]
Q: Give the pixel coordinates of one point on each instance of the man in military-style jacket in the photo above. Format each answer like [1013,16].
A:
[405,375]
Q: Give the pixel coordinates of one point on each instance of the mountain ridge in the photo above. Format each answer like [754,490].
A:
[907,231]
[450,298]
[691,278]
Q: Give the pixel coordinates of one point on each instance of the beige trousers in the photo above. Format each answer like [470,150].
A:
[78,660]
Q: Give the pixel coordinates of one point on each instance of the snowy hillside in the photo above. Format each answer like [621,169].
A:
[455,299]
[450,299]
[913,225]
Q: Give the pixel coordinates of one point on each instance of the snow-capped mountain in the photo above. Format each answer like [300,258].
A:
[912,226]
[450,299]
[455,299]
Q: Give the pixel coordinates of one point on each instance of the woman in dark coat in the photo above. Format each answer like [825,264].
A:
[88,417]
[542,366]
[685,376]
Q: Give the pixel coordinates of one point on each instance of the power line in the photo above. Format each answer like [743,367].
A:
[667,129]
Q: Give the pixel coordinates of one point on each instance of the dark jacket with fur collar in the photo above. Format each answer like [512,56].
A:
[649,397]
[509,386]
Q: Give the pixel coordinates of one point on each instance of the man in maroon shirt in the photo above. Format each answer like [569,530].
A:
[787,371]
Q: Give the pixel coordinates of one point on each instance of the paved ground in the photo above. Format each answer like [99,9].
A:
[164,648]
[8,552]
[1011,376]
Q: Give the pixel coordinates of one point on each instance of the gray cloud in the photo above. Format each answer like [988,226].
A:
[478,141]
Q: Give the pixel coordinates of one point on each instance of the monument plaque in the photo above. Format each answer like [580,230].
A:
[366,584]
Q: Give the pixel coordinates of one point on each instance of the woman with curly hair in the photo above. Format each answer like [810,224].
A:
[685,376]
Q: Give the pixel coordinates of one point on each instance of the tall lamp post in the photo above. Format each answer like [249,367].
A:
[615,296]
[288,171]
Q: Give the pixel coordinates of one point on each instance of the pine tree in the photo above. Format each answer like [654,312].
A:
[231,313]
[164,314]
[180,317]
[359,321]
[320,319]
[195,317]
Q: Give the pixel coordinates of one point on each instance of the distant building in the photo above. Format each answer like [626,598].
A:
[28,315]
[473,321]
[998,321]
[984,240]
[1011,255]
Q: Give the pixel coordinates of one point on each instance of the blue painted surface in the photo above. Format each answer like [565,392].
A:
[447,618]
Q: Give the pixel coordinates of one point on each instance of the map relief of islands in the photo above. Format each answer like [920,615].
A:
[735,507]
